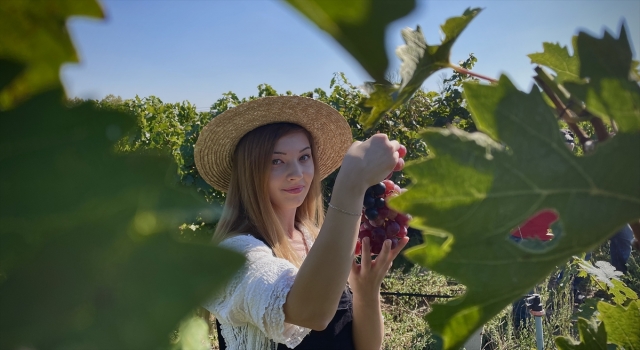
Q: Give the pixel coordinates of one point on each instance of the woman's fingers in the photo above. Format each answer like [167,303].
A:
[402,242]
[365,259]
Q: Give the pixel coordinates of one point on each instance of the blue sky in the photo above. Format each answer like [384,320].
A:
[196,50]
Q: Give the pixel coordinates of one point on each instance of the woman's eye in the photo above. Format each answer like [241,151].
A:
[305,157]
[276,161]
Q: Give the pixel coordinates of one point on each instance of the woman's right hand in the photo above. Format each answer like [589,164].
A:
[369,162]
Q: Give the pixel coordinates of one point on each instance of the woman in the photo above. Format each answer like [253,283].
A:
[270,156]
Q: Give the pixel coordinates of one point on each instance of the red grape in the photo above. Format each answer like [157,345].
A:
[378,234]
[394,243]
[392,229]
[384,212]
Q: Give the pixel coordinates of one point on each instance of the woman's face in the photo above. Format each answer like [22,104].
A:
[291,171]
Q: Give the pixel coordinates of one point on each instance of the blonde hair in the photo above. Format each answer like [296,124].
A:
[248,208]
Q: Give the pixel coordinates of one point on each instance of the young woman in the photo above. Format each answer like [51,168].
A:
[270,156]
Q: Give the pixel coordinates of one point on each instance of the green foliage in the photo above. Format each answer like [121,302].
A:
[470,195]
[420,61]
[602,74]
[608,279]
[358,25]
[89,256]
[193,334]
[554,56]
[622,324]
[34,35]
[592,337]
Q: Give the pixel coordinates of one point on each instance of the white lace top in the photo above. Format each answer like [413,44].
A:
[250,308]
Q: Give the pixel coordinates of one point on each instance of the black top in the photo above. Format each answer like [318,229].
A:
[338,335]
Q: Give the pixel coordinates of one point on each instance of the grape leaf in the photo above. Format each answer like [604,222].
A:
[474,191]
[34,33]
[358,25]
[602,271]
[557,57]
[88,253]
[592,337]
[601,73]
[622,324]
[419,61]
[621,292]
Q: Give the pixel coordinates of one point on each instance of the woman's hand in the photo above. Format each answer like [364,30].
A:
[369,162]
[366,277]
[365,280]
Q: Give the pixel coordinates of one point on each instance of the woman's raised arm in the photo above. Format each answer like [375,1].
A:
[315,294]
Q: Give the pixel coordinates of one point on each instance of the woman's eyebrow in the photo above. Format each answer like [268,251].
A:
[283,153]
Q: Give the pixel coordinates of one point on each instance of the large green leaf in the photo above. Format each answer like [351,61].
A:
[601,73]
[419,61]
[557,57]
[34,33]
[592,337]
[622,324]
[475,191]
[88,257]
[358,25]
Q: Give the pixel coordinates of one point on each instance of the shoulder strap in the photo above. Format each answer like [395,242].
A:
[222,345]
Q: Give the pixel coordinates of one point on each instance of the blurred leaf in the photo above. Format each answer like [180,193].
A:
[622,324]
[419,61]
[475,191]
[557,57]
[89,256]
[194,335]
[587,309]
[358,25]
[592,337]
[34,33]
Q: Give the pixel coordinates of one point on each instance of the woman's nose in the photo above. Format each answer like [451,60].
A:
[295,171]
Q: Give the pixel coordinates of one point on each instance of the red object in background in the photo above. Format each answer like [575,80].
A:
[537,226]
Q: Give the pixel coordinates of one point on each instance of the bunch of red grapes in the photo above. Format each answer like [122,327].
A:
[378,221]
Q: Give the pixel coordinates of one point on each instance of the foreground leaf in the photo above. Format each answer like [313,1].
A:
[358,25]
[419,61]
[475,191]
[592,337]
[622,324]
[34,33]
[88,257]
[601,73]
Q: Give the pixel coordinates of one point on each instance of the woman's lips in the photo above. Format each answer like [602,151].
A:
[294,190]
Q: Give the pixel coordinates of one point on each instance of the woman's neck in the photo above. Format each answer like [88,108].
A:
[287,219]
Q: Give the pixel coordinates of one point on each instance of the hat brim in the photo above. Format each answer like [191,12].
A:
[217,142]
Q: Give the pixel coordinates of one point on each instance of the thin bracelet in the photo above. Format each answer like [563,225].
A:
[344,211]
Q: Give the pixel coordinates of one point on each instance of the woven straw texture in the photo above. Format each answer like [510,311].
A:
[219,138]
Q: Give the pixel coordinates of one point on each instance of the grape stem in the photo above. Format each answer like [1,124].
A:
[562,111]
[473,74]
[566,103]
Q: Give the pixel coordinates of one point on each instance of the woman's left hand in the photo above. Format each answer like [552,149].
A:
[367,276]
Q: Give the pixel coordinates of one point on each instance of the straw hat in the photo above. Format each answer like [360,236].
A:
[218,140]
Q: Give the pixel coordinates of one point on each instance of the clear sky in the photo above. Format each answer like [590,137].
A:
[196,50]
